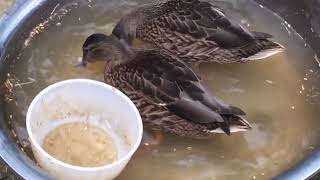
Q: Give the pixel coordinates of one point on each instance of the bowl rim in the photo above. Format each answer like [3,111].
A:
[108,87]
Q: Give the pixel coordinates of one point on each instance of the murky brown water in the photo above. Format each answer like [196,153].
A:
[278,95]
[4,5]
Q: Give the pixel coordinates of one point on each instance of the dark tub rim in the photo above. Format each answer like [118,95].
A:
[11,154]
[10,22]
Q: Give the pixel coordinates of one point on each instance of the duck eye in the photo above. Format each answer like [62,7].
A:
[97,53]
[85,49]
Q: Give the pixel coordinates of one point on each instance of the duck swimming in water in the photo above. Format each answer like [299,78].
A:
[168,94]
[195,31]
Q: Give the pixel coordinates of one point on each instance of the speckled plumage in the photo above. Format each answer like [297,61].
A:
[168,94]
[195,31]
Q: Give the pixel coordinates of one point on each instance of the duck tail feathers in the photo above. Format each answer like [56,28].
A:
[267,48]
[237,111]
[232,124]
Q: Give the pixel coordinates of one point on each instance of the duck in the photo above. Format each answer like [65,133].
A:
[170,97]
[196,31]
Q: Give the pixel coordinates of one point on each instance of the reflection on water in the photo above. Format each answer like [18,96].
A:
[278,95]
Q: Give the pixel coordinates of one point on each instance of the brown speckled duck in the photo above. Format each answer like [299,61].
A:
[196,31]
[168,94]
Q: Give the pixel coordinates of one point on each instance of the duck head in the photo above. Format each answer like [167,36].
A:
[100,47]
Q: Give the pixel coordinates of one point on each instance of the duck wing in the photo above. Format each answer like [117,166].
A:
[199,20]
[169,82]
[198,29]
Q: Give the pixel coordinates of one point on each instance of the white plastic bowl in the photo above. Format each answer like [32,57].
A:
[81,100]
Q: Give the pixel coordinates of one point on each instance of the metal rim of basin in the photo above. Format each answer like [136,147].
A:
[9,151]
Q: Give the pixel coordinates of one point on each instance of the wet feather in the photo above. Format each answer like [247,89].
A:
[195,31]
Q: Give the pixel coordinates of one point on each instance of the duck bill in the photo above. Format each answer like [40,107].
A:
[82,64]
